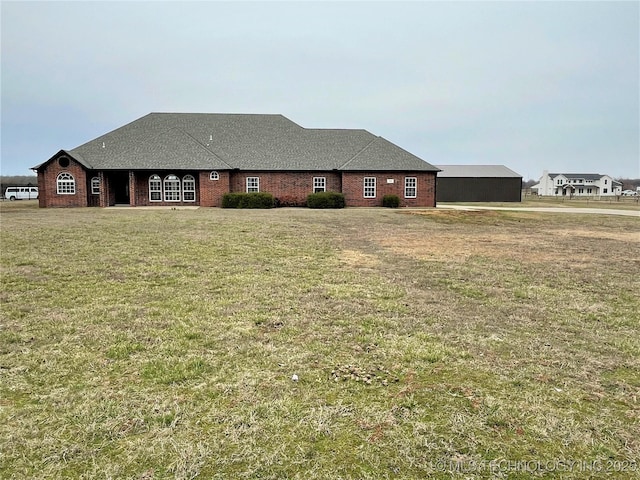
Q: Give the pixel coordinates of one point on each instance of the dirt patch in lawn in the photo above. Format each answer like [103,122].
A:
[572,246]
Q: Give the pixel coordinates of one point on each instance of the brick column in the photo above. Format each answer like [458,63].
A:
[103,198]
[132,188]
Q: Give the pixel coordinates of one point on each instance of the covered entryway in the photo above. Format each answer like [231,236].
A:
[119,193]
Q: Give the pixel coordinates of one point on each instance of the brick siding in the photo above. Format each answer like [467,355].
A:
[389,183]
[47,184]
[290,187]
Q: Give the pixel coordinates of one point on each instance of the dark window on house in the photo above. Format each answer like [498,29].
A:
[606,190]
[319,184]
[65,184]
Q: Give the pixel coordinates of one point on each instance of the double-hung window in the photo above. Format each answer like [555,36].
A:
[189,188]
[369,187]
[410,187]
[319,184]
[253,184]
[171,188]
[95,186]
[155,188]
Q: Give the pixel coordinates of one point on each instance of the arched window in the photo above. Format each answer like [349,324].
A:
[66,184]
[95,186]
[214,176]
[155,188]
[189,188]
[171,188]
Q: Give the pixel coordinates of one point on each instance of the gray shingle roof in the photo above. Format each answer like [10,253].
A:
[584,176]
[203,141]
[477,171]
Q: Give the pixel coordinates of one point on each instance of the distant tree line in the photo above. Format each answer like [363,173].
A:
[629,183]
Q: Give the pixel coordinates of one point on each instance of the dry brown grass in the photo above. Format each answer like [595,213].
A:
[161,344]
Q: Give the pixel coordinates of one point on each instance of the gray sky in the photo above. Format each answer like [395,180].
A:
[529,85]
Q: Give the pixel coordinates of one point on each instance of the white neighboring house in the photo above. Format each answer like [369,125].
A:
[577,185]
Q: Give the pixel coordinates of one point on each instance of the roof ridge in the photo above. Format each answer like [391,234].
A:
[358,153]
[203,146]
[183,132]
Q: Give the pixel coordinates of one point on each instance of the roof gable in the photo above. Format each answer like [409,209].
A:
[381,154]
[64,153]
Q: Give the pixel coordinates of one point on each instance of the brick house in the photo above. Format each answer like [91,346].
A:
[194,159]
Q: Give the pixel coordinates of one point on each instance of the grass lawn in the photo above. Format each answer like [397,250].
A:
[617,203]
[154,344]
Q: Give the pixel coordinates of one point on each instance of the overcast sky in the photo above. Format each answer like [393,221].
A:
[529,85]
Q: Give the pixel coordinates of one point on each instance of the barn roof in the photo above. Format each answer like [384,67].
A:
[476,171]
[210,141]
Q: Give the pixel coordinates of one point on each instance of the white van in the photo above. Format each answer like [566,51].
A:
[21,193]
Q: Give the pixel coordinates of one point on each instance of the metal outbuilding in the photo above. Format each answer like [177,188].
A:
[478,183]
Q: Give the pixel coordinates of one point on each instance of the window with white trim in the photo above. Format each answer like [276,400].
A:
[189,188]
[410,187]
[369,187]
[95,186]
[155,188]
[319,184]
[65,184]
[214,176]
[253,184]
[171,188]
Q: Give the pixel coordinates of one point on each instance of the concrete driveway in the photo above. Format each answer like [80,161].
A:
[598,211]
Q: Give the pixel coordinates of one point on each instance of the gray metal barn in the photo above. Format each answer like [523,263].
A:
[478,183]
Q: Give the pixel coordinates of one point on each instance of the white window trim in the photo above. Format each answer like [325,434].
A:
[95,186]
[365,187]
[414,187]
[319,183]
[214,175]
[65,184]
[255,180]
[188,179]
[155,178]
[172,193]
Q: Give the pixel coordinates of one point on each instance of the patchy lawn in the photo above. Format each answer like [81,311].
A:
[443,344]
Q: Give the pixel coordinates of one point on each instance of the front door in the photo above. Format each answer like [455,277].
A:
[119,183]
